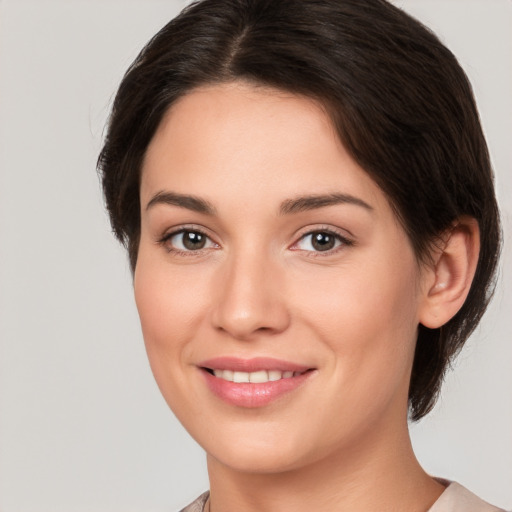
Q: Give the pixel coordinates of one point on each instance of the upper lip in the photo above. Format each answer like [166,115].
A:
[252,365]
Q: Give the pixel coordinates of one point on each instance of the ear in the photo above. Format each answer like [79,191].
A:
[448,281]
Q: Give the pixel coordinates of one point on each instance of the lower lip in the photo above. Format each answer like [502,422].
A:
[252,395]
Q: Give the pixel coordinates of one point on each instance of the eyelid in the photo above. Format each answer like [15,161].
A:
[346,241]
[340,235]
[171,232]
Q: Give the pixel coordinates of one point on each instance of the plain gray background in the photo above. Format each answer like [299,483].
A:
[82,424]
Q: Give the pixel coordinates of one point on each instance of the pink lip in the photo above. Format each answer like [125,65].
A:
[247,394]
[252,365]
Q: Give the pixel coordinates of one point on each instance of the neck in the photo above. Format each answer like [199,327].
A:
[379,473]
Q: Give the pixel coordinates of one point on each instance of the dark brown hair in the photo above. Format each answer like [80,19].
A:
[400,102]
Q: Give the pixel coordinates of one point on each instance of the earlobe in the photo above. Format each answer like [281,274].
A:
[452,273]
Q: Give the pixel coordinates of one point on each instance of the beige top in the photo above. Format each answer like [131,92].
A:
[455,498]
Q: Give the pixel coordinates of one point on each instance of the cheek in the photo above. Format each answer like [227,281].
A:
[366,315]
[346,303]
[170,302]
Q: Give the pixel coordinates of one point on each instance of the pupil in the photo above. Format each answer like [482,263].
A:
[192,240]
[323,241]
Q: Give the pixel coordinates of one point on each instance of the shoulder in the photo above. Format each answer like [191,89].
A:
[457,498]
[198,504]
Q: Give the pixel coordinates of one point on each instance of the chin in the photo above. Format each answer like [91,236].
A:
[259,448]
[255,459]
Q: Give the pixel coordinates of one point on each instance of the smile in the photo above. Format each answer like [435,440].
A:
[257,377]
[251,383]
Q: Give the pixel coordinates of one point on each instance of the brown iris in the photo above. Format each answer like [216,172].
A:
[193,240]
[322,241]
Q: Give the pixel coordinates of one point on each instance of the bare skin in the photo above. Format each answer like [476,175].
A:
[239,258]
[372,479]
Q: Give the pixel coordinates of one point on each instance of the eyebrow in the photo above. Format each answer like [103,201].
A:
[289,206]
[305,203]
[189,202]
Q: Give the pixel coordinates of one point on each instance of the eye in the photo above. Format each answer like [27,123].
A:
[320,241]
[187,240]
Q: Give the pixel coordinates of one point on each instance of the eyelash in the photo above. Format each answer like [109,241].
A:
[164,241]
[343,242]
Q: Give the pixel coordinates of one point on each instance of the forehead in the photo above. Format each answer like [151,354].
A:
[235,140]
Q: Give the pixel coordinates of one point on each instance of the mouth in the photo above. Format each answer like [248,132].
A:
[257,377]
[255,382]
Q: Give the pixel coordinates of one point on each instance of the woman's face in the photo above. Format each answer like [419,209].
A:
[268,255]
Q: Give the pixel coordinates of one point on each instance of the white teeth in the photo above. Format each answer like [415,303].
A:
[275,375]
[226,375]
[240,377]
[255,377]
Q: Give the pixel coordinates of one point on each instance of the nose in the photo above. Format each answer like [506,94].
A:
[251,300]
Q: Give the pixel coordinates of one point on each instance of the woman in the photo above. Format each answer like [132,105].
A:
[307,201]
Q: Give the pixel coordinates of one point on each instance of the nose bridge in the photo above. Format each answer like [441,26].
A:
[251,296]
